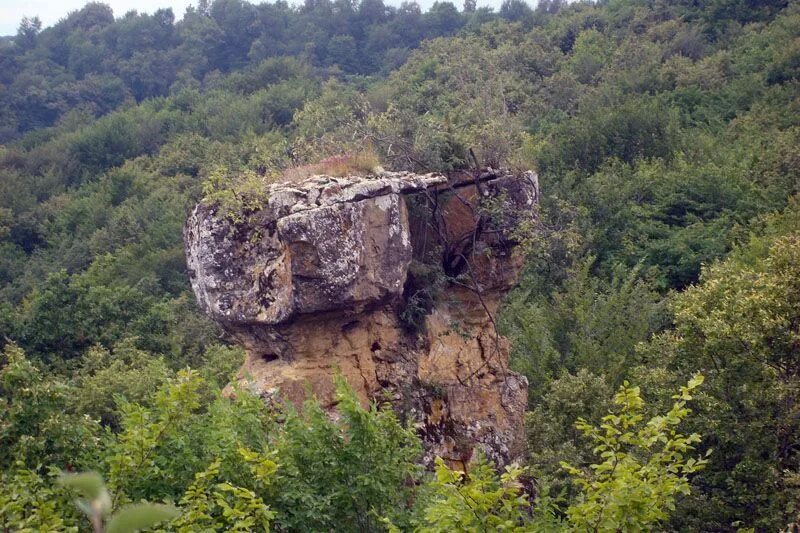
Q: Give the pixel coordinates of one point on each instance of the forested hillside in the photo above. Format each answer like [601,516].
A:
[666,136]
[92,63]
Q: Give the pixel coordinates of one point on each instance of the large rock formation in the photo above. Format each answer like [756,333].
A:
[392,280]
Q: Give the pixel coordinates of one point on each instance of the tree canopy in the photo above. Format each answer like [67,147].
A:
[666,139]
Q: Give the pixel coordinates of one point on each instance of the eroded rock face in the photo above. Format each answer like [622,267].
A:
[392,280]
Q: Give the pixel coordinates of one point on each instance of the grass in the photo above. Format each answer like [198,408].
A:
[349,164]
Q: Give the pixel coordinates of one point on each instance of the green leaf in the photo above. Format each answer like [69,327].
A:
[696,381]
[140,516]
[89,484]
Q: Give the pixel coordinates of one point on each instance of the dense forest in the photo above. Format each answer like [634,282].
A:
[662,283]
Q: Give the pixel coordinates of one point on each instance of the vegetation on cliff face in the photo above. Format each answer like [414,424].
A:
[665,135]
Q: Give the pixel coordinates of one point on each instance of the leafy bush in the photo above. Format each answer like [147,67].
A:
[644,466]
[347,474]
[39,425]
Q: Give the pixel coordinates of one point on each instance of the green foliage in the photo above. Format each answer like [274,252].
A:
[423,285]
[672,218]
[236,196]
[212,456]
[450,96]
[99,63]
[346,475]
[188,425]
[629,130]
[626,491]
[748,398]
[134,463]
[644,466]
[140,516]
[221,363]
[30,502]
[480,501]
[130,375]
[38,425]
[96,504]
[67,315]
[550,424]
[662,134]
[590,53]
[587,324]
[739,327]
[212,505]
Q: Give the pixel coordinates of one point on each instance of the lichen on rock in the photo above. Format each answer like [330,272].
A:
[317,282]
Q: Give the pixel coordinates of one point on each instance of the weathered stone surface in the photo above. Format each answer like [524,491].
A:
[314,247]
[319,280]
